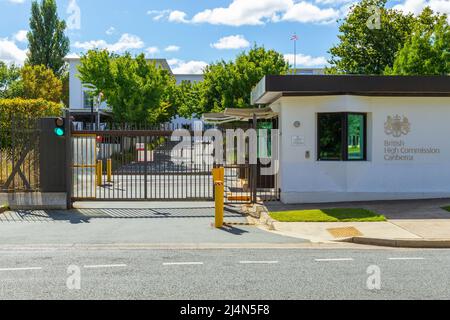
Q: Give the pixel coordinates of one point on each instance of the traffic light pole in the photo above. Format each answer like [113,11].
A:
[69,156]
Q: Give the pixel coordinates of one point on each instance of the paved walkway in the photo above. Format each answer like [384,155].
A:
[131,226]
[412,219]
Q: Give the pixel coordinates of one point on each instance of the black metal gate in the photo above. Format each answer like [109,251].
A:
[130,163]
[139,165]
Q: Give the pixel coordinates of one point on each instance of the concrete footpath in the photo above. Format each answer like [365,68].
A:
[411,224]
[162,225]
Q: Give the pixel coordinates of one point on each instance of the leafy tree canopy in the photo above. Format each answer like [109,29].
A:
[47,43]
[187,97]
[228,84]
[427,52]
[41,83]
[135,88]
[10,84]
[365,48]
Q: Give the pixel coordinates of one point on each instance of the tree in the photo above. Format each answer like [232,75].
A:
[47,43]
[10,84]
[136,89]
[41,83]
[187,97]
[368,49]
[427,52]
[228,84]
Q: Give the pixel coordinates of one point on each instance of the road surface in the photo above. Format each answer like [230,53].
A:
[223,274]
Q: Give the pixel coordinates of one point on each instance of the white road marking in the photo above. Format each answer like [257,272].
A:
[21,269]
[105,266]
[182,263]
[337,259]
[258,262]
[407,258]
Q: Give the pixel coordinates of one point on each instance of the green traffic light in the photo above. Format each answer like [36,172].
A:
[59,132]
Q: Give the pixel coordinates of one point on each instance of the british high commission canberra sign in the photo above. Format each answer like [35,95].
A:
[396,129]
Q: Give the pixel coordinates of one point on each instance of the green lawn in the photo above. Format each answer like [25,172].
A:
[328,215]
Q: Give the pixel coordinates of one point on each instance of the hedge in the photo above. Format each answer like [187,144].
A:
[28,108]
[23,109]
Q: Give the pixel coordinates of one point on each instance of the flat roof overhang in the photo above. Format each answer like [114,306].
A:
[271,88]
[235,114]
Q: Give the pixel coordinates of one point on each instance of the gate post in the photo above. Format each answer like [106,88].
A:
[69,158]
[55,162]
[254,167]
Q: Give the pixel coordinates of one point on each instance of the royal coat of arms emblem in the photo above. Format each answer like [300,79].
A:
[397,126]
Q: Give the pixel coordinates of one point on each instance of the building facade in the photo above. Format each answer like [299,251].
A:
[359,138]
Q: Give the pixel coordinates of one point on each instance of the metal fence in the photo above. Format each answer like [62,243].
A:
[19,154]
[132,162]
[139,163]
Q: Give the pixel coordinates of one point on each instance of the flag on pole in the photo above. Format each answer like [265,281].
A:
[295,39]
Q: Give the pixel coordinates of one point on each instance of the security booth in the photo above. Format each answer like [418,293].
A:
[264,121]
[360,138]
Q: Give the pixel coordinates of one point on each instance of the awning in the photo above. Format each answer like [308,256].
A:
[235,114]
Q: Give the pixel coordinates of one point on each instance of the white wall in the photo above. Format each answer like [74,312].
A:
[76,88]
[308,180]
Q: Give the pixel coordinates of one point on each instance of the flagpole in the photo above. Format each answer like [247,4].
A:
[295,56]
[295,38]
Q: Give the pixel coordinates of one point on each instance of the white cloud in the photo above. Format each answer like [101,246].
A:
[126,42]
[333,2]
[110,31]
[189,67]
[10,53]
[172,48]
[231,42]
[306,60]
[152,50]
[306,12]
[177,16]
[243,12]
[21,36]
[416,6]
[16,1]
[158,14]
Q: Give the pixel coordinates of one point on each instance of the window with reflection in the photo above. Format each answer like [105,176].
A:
[342,136]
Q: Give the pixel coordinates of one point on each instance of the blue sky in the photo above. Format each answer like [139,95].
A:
[192,33]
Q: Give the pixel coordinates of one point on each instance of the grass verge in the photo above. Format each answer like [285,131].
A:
[328,215]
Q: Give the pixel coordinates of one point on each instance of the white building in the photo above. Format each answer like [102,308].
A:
[81,103]
[360,138]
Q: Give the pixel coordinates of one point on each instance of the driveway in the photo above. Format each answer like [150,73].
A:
[173,225]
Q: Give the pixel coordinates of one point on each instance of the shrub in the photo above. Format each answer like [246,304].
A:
[23,109]
[28,108]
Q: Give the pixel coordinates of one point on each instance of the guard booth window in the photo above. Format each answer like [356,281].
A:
[342,137]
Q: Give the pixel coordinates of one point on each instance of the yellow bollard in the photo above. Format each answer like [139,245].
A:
[218,174]
[219,195]
[109,169]
[99,172]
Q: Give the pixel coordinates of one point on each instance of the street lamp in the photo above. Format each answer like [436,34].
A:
[99,101]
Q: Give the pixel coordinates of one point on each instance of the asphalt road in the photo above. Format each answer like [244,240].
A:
[223,274]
